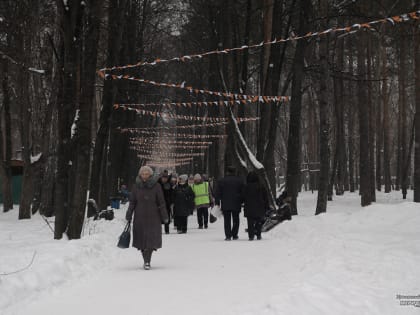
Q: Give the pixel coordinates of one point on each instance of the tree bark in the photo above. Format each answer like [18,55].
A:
[372,126]
[385,123]
[324,154]
[364,158]
[83,134]
[351,113]
[294,139]
[402,105]
[71,23]
[6,150]
[417,116]
[98,181]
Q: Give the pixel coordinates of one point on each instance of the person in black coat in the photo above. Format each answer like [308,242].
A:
[229,192]
[255,205]
[164,182]
[183,199]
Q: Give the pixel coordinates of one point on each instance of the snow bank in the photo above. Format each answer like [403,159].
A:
[56,262]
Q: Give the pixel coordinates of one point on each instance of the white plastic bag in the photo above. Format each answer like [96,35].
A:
[216,211]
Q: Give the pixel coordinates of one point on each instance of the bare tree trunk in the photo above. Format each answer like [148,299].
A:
[244,74]
[71,22]
[83,135]
[417,116]
[364,158]
[402,102]
[265,111]
[324,154]
[351,113]
[379,133]
[294,139]
[6,150]
[25,129]
[372,126]
[98,181]
[385,123]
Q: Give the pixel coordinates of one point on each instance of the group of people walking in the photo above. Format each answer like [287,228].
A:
[182,197]
[155,200]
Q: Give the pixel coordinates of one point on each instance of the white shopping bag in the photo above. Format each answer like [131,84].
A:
[216,211]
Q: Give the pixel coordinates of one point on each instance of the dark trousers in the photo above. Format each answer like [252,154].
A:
[229,217]
[203,216]
[169,216]
[181,223]
[254,227]
[147,255]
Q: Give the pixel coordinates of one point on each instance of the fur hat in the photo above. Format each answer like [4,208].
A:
[183,178]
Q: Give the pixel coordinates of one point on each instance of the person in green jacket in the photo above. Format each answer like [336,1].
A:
[203,200]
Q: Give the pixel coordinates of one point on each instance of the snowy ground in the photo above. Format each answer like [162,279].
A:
[351,260]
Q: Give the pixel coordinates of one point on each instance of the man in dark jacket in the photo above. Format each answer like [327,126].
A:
[229,192]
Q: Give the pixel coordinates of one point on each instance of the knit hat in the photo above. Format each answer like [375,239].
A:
[197,177]
[183,177]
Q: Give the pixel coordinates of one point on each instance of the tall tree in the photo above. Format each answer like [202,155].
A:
[417,115]
[324,155]
[294,139]
[71,17]
[364,158]
[82,138]
[98,182]
[6,144]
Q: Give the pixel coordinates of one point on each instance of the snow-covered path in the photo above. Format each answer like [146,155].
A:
[349,261]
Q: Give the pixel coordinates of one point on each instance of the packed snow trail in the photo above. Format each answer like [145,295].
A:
[351,260]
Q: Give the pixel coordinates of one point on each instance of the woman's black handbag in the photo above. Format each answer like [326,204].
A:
[212,218]
[125,237]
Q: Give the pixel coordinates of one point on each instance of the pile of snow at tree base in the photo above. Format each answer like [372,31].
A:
[351,260]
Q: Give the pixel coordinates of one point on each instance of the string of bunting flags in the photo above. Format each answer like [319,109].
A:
[236,96]
[167,164]
[170,155]
[165,115]
[145,140]
[177,135]
[208,103]
[350,29]
[142,147]
[223,123]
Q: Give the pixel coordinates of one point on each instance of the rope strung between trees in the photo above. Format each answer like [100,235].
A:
[165,115]
[144,140]
[350,29]
[169,135]
[236,96]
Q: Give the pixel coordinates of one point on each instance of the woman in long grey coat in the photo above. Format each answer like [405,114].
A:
[147,203]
